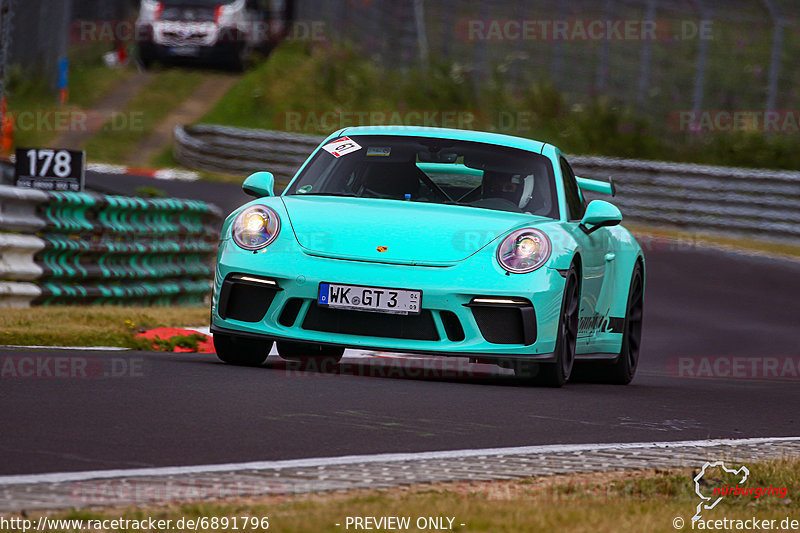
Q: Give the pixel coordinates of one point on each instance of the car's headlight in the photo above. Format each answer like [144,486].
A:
[256,227]
[523,251]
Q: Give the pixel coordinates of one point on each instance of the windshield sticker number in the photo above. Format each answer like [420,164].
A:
[342,146]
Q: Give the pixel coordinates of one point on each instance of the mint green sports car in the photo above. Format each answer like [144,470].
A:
[433,241]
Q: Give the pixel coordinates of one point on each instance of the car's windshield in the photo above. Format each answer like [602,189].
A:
[426,169]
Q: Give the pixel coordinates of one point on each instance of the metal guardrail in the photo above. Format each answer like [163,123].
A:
[18,212]
[241,151]
[64,247]
[758,203]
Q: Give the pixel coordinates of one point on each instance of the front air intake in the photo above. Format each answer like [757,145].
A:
[417,327]
[246,298]
[504,321]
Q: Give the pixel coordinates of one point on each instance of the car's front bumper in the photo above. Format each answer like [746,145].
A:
[188,53]
[293,314]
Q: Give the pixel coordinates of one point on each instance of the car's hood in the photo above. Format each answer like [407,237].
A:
[410,232]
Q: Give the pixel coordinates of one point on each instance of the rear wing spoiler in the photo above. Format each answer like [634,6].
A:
[588,184]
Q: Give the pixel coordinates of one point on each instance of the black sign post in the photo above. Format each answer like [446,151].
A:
[50,169]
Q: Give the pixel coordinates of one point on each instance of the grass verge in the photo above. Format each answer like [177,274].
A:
[92,326]
[318,89]
[642,501]
[649,236]
[34,104]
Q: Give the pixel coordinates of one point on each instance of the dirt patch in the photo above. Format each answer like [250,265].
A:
[191,110]
[119,96]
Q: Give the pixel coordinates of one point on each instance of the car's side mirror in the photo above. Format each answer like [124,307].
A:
[260,184]
[600,214]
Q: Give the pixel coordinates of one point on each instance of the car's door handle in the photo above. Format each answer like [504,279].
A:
[611,256]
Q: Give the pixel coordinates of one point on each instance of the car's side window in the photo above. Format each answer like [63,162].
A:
[575,204]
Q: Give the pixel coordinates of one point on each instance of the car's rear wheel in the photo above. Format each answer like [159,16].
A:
[240,351]
[309,355]
[622,371]
[147,54]
[557,373]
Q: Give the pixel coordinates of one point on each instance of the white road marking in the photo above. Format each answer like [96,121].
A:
[61,477]
[86,348]
[348,354]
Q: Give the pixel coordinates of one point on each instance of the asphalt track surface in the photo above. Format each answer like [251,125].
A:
[189,409]
[225,195]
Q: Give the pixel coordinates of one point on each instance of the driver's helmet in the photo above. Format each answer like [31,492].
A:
[515,188]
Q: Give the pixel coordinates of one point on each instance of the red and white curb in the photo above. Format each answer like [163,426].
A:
[348,353]
[172,174]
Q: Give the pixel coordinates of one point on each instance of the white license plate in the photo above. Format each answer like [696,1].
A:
[375,299]
[186,51]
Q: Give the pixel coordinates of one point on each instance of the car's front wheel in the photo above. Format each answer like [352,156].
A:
[557,373]
[311,356]
[241,352]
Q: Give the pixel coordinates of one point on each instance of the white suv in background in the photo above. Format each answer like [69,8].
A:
[221,32]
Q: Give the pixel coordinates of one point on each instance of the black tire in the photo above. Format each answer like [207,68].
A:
[311,356]
[147,56]
[556,374]
[241,352]
[622,371]
[239,59]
